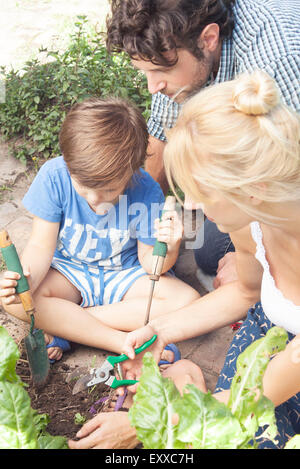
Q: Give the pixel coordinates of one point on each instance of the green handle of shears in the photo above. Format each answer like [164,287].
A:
[121,358]
[122,382]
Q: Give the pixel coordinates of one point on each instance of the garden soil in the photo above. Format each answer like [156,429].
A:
[67,412]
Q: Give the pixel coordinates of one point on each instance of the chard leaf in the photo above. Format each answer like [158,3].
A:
[203,421]
[40,422]
[154,408]
[207,423]
[9,355]
[16,418]
[294,443]
[52,442]
[246,401]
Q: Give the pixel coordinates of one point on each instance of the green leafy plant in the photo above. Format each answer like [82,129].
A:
[202,421]
[79,419]
[38,97]
[21,427]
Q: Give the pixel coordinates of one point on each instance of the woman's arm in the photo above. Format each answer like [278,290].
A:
[221,307]
[282,376]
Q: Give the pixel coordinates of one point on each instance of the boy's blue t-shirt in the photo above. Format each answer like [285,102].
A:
[108,241]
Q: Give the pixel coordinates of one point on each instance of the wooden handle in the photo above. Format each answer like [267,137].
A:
[27,302]
[5,240]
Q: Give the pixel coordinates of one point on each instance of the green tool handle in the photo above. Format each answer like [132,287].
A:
[121,358]
[12,261]
[160,248]
[122,382]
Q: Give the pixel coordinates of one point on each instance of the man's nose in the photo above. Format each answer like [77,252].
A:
[155,85]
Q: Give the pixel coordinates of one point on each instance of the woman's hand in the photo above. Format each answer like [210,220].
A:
[132,368]
[107,430]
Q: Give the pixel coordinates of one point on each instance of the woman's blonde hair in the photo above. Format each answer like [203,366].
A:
[239,139]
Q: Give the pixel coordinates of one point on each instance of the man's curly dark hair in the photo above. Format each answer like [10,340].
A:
[146,29]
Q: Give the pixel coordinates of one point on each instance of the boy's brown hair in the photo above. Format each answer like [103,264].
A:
[103,141]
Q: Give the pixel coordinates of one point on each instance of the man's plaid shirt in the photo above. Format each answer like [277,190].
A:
[266,36]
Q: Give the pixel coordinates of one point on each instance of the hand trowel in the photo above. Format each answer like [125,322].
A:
[34,342]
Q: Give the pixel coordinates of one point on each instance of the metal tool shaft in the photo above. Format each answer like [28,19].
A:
[149,303]
[159,254]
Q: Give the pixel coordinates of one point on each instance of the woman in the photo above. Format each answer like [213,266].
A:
[235,149]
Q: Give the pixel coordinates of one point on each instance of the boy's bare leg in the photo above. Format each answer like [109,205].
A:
[170,294]
[58,313]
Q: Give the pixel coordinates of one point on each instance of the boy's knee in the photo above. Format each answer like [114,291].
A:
[43,291]
[189,296]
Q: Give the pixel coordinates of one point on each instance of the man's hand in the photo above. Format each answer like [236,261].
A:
[107,430]
[226,272]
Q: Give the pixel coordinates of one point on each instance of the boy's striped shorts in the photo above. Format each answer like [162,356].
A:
[98,286]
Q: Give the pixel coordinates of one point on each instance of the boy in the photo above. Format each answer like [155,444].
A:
[89,252]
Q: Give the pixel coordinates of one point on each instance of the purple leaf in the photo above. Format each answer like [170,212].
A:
[120,401]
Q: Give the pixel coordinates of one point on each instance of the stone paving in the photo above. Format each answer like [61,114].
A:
[208,351]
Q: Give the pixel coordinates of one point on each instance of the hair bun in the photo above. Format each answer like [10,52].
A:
[255,94]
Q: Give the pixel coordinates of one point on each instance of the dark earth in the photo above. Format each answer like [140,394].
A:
[56,398]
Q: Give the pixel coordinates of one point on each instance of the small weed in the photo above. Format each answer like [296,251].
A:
[79,419]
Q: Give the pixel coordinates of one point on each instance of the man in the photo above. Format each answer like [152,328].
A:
[190,44]
[183,45]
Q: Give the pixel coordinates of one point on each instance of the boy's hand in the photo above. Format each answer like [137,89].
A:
[169,230]
[8,285]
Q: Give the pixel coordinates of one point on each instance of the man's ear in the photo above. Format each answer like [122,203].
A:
[210,37]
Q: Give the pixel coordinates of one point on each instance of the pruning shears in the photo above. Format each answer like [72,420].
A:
[103,373]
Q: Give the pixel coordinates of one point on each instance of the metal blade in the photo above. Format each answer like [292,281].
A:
[77,373]
[81,384]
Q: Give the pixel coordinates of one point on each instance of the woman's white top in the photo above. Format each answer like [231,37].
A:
[280,310]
